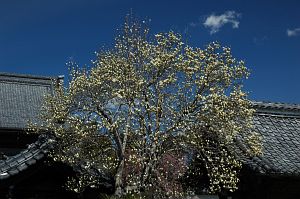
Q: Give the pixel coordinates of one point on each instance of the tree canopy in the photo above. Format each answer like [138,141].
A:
[146,109]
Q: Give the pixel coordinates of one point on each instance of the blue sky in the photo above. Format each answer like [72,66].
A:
[39,37]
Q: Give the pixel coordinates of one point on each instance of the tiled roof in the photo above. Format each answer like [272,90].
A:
[279,126]
[21,98]
[15,164]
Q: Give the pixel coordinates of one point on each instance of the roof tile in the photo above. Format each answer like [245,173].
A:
[280,130]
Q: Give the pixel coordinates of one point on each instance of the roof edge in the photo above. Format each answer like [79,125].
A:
[29,76]
[278,109]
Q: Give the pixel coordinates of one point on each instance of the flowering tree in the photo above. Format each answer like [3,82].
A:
[145,108]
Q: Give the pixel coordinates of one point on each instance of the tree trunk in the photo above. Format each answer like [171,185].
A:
[119,174]
[118,180]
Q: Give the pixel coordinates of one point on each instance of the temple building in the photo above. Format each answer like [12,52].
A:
[27,172]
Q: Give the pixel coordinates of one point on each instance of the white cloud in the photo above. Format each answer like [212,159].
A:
[215,22]
[294,32]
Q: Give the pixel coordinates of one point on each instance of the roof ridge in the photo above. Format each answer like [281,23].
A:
[276,108]
[29,76]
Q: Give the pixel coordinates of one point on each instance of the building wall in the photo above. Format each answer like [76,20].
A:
[269,187]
